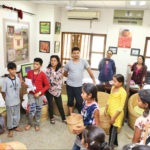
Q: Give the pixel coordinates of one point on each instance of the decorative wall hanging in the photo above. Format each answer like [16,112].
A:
[45,27]
[113,49]
[16,42]
[135,52]
[125,38]
[57,27]
[56,47]
[44,46]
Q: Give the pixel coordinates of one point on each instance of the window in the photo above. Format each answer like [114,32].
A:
[92,47]
[147,53]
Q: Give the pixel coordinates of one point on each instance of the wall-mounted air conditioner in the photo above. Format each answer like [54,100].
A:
[83,15]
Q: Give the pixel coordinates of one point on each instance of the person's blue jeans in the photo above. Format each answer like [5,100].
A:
[75,147]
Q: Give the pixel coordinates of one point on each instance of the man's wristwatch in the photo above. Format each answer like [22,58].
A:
[40,93]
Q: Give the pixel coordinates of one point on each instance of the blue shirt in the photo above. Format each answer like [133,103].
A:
[111,70]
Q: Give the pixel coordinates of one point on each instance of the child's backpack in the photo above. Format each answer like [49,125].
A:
[2,122]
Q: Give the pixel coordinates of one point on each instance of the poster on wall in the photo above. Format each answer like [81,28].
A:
[125,38]
[16,42]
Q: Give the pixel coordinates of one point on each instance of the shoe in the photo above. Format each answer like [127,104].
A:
[18,129]
[10,133]
[52,121]
[28,127]
[37,128]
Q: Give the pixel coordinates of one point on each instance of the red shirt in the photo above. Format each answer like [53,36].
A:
[39,80]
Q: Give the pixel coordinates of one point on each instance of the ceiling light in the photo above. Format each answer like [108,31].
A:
[132,3]
[141,3]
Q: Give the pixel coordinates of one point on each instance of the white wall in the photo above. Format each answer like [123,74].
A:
[106,26]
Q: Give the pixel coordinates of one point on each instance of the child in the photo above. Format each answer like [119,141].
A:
[135,147]
[54,74]
[114,108]
[36,98]
[11,92]
[74,70]
[90,111]
[93,138]
[140,124]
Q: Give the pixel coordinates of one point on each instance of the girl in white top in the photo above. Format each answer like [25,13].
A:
[142,121]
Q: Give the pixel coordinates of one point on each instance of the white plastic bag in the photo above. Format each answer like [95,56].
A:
[25,101]
[2,102]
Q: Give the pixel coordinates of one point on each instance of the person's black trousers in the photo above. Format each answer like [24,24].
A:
[58,101]
[74,92]
[113,137]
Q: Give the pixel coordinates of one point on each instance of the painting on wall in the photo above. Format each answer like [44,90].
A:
[45,27]
[135,52]
[57,27]
[25,68]
[113,49]
[56,47]
[16,42]
[44,46]
[125,38]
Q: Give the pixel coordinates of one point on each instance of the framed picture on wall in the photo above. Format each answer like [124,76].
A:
[57,27]
[45,27]
[135,52]
[44,46]
[113,49]
[56,46]
[25,68]
[16,41]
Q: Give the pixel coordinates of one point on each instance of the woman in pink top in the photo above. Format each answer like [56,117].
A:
[54,74]
[139,70]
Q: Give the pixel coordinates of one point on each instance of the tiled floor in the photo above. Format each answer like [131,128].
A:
[55,136]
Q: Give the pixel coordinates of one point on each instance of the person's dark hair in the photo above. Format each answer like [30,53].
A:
[75,49]
[38,60]
[135,147]
[11,65]
[90,88]
[58,60]
[110,51]
[95,137]
[144,95]
[120,78]
[142,59]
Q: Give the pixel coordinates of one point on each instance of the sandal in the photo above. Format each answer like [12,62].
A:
[52,121]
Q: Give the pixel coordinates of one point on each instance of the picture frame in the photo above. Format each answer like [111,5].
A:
[135,52]
[16,41]
[45,27]
[44,46]
[56,47]
[113,49]
[25,68]
[57,27]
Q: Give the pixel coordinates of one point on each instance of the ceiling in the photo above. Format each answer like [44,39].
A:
[97,4]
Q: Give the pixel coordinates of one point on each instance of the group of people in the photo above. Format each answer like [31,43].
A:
[49,83]
[107,69]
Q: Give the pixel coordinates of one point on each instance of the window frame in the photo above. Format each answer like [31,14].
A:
[91,41]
